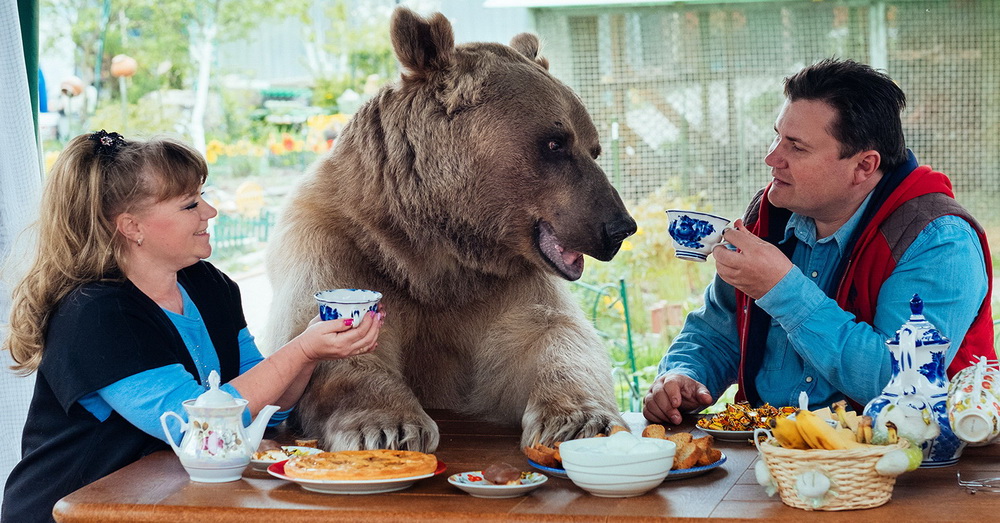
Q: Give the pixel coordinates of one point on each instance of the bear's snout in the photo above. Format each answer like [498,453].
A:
[617,230]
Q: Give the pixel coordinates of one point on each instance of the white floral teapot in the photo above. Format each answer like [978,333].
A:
[216,447]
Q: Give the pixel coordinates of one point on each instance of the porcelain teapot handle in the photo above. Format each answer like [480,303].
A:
[166,430]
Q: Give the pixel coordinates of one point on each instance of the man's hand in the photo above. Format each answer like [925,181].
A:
[670,393]
[755,267]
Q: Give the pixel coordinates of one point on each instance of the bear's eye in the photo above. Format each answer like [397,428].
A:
[554,145]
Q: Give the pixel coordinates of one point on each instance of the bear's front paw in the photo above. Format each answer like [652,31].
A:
[547,426]
[381,429]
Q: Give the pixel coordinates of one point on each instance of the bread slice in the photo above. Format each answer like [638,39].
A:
[680,438]
[687,453]
[654,431]
[710,457]
[687,456]
[705,444]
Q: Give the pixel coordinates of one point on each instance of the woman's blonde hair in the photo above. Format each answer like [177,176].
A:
[90,184]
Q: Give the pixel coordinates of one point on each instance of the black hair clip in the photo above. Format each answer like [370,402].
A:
[108,144]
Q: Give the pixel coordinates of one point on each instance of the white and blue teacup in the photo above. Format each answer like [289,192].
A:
[695,233]
[336,304]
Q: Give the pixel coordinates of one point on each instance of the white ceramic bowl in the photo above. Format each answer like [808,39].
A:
[617,469]
[347,303]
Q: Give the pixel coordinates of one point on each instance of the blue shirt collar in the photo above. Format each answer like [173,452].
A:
[804,228]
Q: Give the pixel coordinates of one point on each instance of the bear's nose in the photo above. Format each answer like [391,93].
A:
[619,229]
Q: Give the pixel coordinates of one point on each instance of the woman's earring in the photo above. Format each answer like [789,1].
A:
[139,242]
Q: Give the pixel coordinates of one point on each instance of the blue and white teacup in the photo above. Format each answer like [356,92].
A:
[336,304]
[695,233]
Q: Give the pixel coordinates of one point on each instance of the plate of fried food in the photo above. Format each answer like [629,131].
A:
[270,452]
[738,421]
[693,457]
[358,471]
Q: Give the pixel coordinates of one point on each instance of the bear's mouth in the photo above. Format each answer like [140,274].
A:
[567,262]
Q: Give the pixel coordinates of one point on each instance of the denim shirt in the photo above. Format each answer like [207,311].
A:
[815,346]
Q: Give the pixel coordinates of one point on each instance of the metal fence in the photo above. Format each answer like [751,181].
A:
[234,234]
[688,93]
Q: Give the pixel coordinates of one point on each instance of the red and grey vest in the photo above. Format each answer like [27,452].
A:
[920,197]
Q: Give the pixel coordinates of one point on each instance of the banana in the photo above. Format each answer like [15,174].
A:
[809,426]
[840,408]
[864,434]
[819,434]
[787,434]
[807,434]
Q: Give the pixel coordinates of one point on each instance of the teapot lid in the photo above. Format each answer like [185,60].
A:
[925,333]
[214,396]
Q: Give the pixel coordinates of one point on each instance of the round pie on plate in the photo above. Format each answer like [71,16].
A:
[361,465]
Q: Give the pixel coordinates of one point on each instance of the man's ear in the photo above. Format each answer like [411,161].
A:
[867,166]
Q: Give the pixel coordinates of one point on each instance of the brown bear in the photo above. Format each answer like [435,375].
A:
[466,193]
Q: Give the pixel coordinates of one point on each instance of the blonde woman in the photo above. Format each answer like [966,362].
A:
[123,320]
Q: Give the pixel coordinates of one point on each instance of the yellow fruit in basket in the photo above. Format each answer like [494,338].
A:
[787,433]
[820,435]
[807,430]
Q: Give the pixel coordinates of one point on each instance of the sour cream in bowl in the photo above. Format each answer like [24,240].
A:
[617,466]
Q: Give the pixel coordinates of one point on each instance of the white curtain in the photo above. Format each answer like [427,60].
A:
[20,189]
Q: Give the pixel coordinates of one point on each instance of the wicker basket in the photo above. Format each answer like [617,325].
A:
[854,482]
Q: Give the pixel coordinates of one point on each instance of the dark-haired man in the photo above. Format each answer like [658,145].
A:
[828,257]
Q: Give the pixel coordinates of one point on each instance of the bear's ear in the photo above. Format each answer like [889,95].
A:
[527,44]
[422,46]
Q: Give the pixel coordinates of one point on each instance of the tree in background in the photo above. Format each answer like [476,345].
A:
[173,41]
[215,21]
[347,46]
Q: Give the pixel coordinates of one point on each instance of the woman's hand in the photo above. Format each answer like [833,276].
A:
[336,339]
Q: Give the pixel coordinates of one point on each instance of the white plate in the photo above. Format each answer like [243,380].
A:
[374,486]
[695,471]
[552,471]
[673,474]
[473,483]
[262,464]
[730,435]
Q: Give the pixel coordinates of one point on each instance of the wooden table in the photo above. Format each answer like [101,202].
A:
[157,488]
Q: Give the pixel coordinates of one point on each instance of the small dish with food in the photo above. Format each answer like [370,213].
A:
[498,481]
[265,458]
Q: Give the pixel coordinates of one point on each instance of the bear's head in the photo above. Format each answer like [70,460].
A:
[487,156]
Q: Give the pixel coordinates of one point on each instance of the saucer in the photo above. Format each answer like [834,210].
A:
[476,485]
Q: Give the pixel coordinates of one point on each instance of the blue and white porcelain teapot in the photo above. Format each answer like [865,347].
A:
[916,398]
